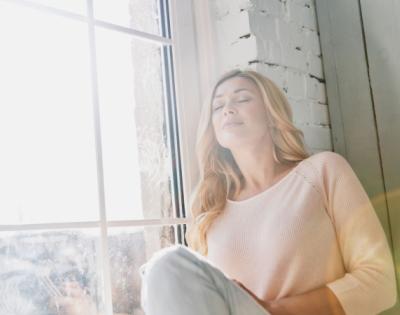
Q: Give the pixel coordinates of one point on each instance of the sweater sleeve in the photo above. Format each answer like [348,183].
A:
[369,285]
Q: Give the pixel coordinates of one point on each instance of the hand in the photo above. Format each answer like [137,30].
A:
[76,301]
[261,302]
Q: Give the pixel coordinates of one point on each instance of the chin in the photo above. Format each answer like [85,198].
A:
[235,139]
[233,144]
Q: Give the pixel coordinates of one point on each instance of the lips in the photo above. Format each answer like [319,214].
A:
[231,124]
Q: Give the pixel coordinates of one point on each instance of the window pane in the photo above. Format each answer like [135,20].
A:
[129,249]
[50,273]
[47,162]
[141,15]
[74,6]
[136,159]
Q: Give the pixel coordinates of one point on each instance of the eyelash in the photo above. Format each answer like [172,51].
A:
[241,101]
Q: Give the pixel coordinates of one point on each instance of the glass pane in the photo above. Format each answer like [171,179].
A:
[74,6]
[129,249]
[47,162]
[136,159]
[141,15]
[50,273]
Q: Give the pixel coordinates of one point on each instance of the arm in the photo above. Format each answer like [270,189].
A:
[368,286]
[315,302]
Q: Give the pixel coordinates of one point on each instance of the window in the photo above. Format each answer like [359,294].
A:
[92,136]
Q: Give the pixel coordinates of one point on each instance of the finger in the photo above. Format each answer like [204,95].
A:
[63,301]
[73,289]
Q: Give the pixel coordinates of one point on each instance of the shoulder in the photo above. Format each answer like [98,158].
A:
[327,163]
[323,169]
[326,157]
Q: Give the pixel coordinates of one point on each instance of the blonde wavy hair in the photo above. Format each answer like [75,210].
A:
[220,176]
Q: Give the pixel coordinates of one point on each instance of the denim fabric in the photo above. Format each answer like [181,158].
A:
[179,281]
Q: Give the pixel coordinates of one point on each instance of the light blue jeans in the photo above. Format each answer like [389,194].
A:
[179,281]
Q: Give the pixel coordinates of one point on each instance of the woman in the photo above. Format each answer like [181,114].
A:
[274,231]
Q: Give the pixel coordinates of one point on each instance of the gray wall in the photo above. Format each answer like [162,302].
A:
[361,52]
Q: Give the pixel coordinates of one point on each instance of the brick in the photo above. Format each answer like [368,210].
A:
[315,65]
[317,137]
[264,27]
[263,50]
[285,12]
[316,90]
[297,13]
[310,18]
[242,4]
[302,15]
[301,111]
[222,8]
[233,6]
[321,98]
[311,42]
[239,53]
[296,36]
[274,52]
[292,42]
[296,84]
[277,74]
[294,58]
[303,3]
[233,26]
[319,114]
[290,34]
[254,66]
[270,7]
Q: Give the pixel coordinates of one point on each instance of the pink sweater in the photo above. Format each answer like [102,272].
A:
[314,227]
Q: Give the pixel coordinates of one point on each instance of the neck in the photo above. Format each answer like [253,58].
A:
[259,169]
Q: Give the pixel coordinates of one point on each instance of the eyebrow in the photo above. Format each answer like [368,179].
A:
[236,91]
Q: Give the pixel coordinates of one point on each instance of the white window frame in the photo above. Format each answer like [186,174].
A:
[192,78]
[196,69]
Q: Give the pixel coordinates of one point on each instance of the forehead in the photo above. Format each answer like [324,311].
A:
[235,85]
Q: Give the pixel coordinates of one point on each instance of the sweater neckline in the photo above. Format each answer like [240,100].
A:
[270,188]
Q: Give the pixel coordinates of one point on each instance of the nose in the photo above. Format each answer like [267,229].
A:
[229,109]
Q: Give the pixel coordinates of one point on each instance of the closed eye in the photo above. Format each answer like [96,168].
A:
[217,107]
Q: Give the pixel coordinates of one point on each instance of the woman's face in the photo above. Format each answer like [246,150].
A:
[239,117]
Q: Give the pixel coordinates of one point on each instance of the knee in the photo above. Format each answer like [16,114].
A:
[167,276]
[167,262]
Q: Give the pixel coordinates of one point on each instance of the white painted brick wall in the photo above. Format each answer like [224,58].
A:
[233,26]
[240,52]
[280,39]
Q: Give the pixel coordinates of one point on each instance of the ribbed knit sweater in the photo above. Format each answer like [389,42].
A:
[314,227]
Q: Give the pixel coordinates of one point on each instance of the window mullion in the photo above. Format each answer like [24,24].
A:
[171,120]
[135,33]
[92,224]
[48,9]
[104,257]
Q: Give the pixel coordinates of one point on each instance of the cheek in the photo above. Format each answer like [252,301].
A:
[258,110]
[259,116]
[216,127]
[215,123]
[257,122]
[261,125]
